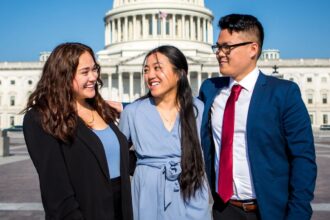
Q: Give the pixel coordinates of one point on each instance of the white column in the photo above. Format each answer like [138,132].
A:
[130,27]
[199,79]
[131,87]
[134,27]
[110,86]
[210,32]
[144,26]
[115,33]
[154,25]
[163,30]
[109,33]
[204,30]
[183,27]
[112,31]
[116,30]
[211,35]
[119,30]
[125,28]
[192,28]
[173,34]
[198,29]
[106,33]
[120,85]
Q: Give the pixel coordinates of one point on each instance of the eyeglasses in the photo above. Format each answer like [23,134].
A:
[226,48]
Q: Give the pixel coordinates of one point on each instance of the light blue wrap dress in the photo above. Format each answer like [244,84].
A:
[155,186]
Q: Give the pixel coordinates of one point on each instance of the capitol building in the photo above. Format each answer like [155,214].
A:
[132,28]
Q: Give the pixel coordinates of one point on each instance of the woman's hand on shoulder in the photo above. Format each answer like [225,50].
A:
[118,106]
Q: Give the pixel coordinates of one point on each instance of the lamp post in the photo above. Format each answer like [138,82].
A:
[275,69]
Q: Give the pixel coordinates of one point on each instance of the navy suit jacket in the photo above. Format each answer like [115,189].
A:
[280,146]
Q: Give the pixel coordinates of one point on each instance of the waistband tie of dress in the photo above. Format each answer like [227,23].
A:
[170,170]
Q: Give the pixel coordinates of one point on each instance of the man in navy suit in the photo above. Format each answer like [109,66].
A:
[272,156]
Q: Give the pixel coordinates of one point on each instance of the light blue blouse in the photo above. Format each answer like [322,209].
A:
[112,150]
[155,185]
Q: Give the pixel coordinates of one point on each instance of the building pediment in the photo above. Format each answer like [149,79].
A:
[133,60]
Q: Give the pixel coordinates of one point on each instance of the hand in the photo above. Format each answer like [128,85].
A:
[118,106]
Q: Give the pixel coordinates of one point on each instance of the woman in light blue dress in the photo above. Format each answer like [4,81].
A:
[169,181]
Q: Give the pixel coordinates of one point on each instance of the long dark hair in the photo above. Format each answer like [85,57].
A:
[192,165]
[53,97]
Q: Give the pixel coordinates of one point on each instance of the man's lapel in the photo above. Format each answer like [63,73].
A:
[218,84]
[253,113]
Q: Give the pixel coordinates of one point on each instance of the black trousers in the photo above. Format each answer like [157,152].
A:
[222,211]
[116,190]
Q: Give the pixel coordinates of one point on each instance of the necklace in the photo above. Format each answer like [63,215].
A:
[91,122]
[168,121]
[86,113]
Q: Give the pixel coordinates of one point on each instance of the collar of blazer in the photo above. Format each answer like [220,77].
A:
[94,144]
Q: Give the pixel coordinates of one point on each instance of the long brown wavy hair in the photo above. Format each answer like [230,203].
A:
[54,98]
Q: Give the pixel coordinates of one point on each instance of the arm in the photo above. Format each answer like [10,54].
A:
[301,150]
[58,197]
[201,92]
[125,129]
[118,106]
[205,133]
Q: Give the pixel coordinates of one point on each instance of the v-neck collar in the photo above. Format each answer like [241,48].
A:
[152,101]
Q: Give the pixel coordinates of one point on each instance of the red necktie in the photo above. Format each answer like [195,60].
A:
[225,179]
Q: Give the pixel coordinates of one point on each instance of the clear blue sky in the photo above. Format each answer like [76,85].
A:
[298,28]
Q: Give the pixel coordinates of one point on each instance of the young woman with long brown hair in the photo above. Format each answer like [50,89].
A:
[80,155]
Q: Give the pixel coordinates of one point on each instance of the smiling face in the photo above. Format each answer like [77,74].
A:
[160,77]
[85,78]
[241,60]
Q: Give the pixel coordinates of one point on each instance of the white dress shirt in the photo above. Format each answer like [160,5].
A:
[242,179]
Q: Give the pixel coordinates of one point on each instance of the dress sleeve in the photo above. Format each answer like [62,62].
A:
[124,123]
[58,197]
[199,108]
[124,126]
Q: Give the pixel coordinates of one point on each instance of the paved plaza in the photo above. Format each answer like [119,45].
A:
[20,196]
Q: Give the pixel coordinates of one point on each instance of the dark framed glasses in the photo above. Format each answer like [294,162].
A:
[227,48]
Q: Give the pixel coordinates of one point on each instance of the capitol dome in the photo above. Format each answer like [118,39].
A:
[133,27]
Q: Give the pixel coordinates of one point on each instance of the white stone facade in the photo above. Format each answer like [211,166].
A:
[313,78]
[132,28]
[17,81]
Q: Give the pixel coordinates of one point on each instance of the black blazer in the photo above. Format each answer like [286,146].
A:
[74,178]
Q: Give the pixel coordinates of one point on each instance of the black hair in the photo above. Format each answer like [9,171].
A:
[244,23]
[192,165]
